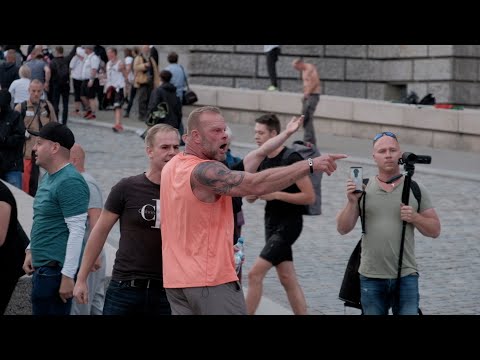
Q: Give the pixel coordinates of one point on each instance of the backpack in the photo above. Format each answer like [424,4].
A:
[350,288]
[308,150]
[428,99]
[63,72]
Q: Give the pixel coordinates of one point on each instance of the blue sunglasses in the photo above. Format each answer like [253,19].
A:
[385,133]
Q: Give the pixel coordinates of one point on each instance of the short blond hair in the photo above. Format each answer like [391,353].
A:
[193,121]
[163,128]
[25,72]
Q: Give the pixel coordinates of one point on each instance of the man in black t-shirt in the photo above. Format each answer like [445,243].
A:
[136,287]
[283,223]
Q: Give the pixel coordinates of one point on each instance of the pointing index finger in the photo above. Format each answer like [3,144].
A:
[338,156]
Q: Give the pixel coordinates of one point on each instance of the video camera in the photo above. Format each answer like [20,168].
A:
[409,158]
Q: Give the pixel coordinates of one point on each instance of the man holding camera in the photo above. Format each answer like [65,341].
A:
[384,216]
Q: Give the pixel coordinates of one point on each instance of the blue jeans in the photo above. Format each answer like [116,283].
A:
[122,299]
[14,178]
[46,299]
[378,295]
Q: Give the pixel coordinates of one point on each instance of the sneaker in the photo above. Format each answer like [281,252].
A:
[272,88]
[87,114]
[92,116]
[117,128]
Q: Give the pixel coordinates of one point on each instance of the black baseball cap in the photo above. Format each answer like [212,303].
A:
[56,132]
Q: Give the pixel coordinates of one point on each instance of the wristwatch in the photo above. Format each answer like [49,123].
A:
[310,163]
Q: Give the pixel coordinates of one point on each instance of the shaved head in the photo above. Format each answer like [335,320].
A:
[77,157]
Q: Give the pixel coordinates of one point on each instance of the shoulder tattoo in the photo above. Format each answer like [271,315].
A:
[216,176]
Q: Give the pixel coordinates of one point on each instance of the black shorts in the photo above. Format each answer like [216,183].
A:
[89,92]
[280,236]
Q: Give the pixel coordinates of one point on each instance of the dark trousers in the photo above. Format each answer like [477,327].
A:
[46,282]
[272,58]
[100,97]
[64,92]
[143,92]
[123,299]
[308,109]
[133,92]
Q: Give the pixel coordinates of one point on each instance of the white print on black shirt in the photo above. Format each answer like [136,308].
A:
[151,213]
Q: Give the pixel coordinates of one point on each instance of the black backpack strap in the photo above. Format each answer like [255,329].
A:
[362,214]
[23,109]
[416,192]
[413,185]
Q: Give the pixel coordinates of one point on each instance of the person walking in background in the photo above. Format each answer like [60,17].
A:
[197,188]
[12,138]
[146,79]
[8,69]
[59,215]
[35,114]
[283,222]
[90,83]
[272,52]
[40,70]
[116,77]
[164,106]
[179,80]
[128,60]
[101,74]
[76,69]
[131,78]
[311,96]
[384,216]
[60,82]
[96,278]
[19,88]
[136,287]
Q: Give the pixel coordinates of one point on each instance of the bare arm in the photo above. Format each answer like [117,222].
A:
[306,196]
[5,212]
[255,157]
[214,177]
[427,222]
[93,216]
[348,216]
[95,242]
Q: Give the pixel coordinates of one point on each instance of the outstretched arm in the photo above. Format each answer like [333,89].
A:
[214,177]
[255,157]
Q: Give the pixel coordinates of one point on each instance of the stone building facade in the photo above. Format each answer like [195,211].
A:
[381,72]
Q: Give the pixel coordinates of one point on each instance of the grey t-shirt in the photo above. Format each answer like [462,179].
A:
[95,201]
[381,243]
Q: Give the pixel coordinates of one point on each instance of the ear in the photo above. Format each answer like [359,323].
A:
[196,136]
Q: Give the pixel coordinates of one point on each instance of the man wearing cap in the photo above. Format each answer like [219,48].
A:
[59,215]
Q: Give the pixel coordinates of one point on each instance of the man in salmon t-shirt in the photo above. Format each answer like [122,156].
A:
[197,223]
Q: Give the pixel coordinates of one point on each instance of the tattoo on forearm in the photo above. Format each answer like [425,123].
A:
[217,176]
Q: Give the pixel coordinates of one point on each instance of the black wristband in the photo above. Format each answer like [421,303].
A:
[310,163]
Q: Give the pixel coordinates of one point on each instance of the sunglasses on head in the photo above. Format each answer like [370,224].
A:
[385,133]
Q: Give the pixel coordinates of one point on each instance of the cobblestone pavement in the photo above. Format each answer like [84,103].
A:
[449,266]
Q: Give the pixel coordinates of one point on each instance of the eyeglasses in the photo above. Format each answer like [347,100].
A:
[387,133]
